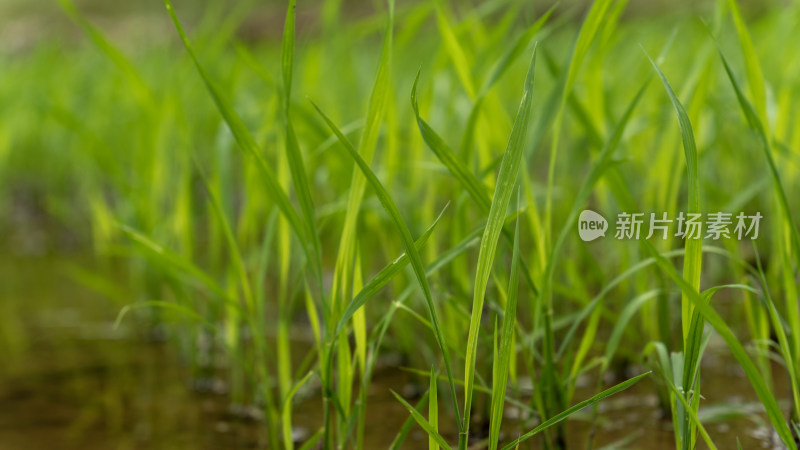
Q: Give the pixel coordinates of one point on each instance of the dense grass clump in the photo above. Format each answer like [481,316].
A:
[406,179]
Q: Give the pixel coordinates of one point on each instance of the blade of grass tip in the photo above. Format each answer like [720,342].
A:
[511,55]
[408,243]
[470,182]
[293,153]
[577,407]
[382,278]
[432,433]
[712,317]
[506,181]
[247,143]
[286,413]
[693,258]
[506,347]
[287,52]
[433,411]
[475,189]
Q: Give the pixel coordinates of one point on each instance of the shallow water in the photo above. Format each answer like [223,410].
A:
[69,380]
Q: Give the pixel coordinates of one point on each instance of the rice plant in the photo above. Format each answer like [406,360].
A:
[369,222]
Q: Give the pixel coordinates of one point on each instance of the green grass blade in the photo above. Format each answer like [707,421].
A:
[293,153]
[456,52]
[400,438]
[754,75]
[382,278]
[690,412]
[433,411]
[577,407]
[693,257]
[783,341]
[500,377]
[168,258]
[476,190]
[506,181]
[286,413]
[514,52]
[757,124]
[432,433]
[287,52]
[184,310]
[236,254]
[591,25]
[622,322]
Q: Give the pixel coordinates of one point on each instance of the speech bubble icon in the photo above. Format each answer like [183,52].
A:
[591,225]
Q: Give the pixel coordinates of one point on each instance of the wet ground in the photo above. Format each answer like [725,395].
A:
[69,380]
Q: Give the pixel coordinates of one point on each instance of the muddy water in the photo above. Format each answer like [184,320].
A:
[69,380]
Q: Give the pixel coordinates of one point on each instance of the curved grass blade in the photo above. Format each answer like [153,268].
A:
[382,278]
[456,52]
[470,182]
[755,122]
[186,311]
[506,181]
[163,255]
[577,407]
[693,257]
[400,438]
[432,433]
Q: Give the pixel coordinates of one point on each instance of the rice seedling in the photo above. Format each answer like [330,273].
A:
[312,204]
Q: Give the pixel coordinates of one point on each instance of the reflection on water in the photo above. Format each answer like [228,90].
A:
[69,380]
